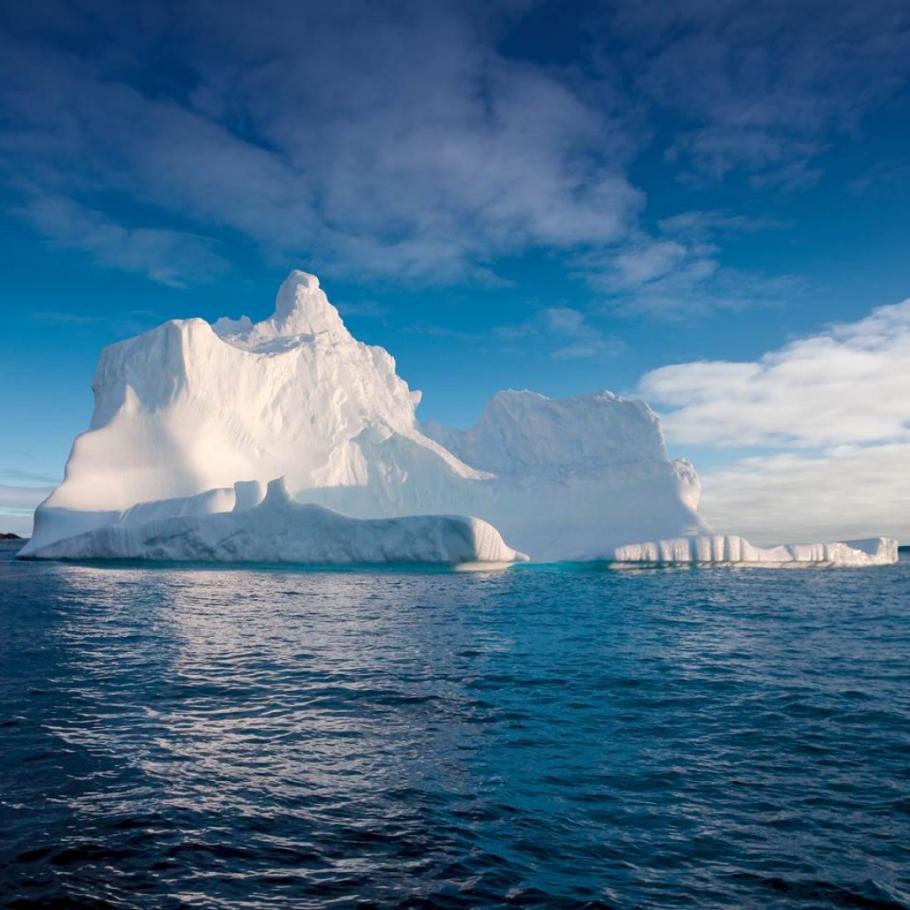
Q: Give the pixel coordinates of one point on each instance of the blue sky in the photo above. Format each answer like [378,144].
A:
[564,197]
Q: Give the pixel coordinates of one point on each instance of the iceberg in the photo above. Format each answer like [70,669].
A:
[282,531]
[730,549]
[193,420]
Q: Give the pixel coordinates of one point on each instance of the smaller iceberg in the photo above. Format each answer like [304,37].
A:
[730,549]
[278,529]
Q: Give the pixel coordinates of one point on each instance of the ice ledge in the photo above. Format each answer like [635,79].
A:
[280,530]
[730,549]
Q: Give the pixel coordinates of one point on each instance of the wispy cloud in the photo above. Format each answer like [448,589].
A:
[425,160]
[709,225]
[760,88]
[571,334]
[170,257]
[439,152]
[29,476]
[62,317]
[564,333]
[676,272]
[891,175]
[579,339]
[366,309]
[17,506]
[22,498]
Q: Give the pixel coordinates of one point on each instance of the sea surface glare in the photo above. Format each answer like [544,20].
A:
[188,737]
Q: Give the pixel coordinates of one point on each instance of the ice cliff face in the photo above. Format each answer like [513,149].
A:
[190,406]
[575,473]
[525,433]
[192,420]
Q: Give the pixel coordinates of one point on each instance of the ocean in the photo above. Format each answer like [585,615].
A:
[176,736]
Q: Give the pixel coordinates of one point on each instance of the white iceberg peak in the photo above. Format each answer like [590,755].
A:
[302,308]
[302,313]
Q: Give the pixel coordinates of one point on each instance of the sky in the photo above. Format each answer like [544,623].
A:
[703,204]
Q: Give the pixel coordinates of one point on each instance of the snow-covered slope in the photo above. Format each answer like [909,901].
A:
[191,420]
[280,530]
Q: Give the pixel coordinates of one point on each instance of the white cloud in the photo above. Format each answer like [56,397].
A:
[578,338]
[761,87]
[838,400]
[848,385]
[677,273]
[174,258]
[425,160]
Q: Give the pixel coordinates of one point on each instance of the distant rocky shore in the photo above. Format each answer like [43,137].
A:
[8,535]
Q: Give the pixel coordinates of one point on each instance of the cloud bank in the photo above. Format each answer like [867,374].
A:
[397,143]
[839,400]
[425,142]
[848,385]
[847,492]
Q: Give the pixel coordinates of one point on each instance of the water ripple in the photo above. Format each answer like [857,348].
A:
[181,737]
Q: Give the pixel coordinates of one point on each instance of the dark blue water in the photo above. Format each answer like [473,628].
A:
[537,738]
